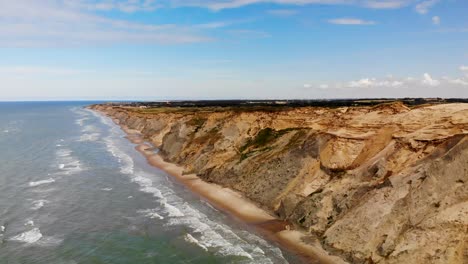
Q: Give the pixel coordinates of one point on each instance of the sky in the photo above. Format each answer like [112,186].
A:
[232,49]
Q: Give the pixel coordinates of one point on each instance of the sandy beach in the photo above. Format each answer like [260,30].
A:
[239,207]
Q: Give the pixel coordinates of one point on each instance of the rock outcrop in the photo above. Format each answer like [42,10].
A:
[382,184]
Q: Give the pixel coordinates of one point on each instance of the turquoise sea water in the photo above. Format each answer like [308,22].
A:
[74,190]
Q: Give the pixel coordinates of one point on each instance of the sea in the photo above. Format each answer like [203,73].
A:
[74,190]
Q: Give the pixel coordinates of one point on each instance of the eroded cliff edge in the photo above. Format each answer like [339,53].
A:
[385,184]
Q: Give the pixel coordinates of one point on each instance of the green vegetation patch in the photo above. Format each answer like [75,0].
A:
[265,137]
[197,122]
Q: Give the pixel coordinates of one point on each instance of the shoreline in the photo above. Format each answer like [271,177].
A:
[236,205]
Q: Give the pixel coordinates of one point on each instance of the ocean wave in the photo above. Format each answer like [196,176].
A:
[63,152]
[127,165]
[89,129]
[146,185]
[37,183]
[209,233]
[172,211]
[66,162]
[81,121]
[189,238]
[31,236]
[151,213]
[106,189]
[36,205]
[89,137]
[214,235]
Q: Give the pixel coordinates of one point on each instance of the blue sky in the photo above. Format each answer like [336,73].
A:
[194,49]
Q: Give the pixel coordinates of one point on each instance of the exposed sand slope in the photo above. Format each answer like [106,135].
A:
[385,184]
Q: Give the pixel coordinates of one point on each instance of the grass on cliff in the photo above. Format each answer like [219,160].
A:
[197,122]
[263,138]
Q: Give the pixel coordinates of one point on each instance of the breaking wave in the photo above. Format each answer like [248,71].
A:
[37,183]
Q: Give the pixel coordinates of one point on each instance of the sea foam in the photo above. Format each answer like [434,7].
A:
[31,236]
[36,205]
[127,165]
[189,238]
[37,183]
[151,213]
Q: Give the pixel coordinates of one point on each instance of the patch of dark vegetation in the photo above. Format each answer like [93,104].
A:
[197,122]
[264,137]
[275,105]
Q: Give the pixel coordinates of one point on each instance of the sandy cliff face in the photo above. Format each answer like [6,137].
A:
[384,184]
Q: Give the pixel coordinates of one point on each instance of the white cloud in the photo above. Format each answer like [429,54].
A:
[27,23]
[217,5]
[386,4]
[365,82]
[128,6]
[350,21]
[373,82]
[436,20]
[423,7]
[307,85]
[391,86]
[427,80]
[464,68]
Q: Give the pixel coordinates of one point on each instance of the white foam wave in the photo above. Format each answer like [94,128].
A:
[189,238]
[67,163]
[146,185]
[29,223]
[90,129]
[172,211]
[81,121]
[106,189]
[89,137]
[151,213]
[63,152]
[37,183]
[127,165]
[36,205]
[212,234]
[31,236]
[2,228]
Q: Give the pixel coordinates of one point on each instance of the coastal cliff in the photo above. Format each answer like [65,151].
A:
[374,184]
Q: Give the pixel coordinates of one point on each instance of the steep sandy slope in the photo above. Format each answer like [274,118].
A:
[385,184]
